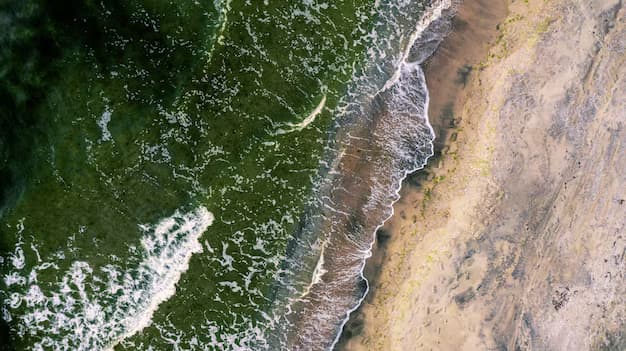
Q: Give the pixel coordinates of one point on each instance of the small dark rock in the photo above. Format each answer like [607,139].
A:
[560,298]
[464,297]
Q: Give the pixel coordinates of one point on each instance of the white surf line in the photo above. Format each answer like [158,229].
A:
[223,19]
[296,127]
[168,264]
[318,272]
[421,26]
[103,123]
[97,309]
[433,15]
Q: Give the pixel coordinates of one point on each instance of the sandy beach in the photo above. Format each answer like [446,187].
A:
[514,236]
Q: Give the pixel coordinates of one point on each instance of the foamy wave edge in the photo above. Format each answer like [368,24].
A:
[433,14]
[77,317]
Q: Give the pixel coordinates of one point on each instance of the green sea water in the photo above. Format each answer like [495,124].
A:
[158,160]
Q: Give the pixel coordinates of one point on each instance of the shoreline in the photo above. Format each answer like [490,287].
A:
[352,217]
[443,72]
[448,270]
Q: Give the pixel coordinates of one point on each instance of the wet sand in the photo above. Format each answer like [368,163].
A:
[514,237]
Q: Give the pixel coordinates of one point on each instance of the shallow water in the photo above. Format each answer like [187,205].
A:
[203,175]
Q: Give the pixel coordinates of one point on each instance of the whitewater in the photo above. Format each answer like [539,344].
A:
[383,135]
[217,204]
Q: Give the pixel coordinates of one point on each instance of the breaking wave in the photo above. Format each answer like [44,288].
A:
[262,120]
[94,309]
[382,134]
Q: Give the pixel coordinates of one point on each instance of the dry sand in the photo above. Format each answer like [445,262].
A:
[514,237]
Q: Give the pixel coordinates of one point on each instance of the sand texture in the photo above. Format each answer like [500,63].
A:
[514,238]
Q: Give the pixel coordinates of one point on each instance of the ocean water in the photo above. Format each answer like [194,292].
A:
[201,175]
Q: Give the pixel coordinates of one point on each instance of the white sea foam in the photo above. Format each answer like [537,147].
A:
[318,272]
[385,106]
[434,13]
[103,123]
[223,7]
[14,278]
[98,304]
[405,97]
[296,127]
[95,310]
